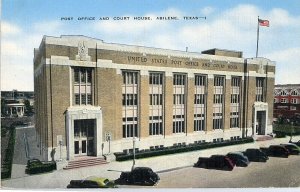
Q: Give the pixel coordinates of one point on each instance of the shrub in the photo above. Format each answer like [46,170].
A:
[35,168]
[280,134]
[120,156]
[9,153]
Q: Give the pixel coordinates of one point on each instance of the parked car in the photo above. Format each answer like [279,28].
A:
[276,151]
[256,155]
[92,182]
[215,162]
[140,176]
[292,148]
[297,143]
[239,159]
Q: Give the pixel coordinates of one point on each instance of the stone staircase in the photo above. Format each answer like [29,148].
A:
[85,162]
[263,137]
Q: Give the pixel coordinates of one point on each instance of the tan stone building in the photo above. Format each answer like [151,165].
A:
[93,98]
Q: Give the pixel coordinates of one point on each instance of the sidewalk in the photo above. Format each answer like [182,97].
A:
[60,178]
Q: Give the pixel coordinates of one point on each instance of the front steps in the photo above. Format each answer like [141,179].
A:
[85,162]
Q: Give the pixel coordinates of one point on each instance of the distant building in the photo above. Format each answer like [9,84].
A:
[14,102]
[287,100]
[94,98]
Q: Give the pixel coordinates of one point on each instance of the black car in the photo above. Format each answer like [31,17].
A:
[215,162]
[256,155]
[276,151]
[140,176]
[292,148]
[239,159]
[296,143]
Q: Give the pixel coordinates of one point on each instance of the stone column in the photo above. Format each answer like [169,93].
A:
[210,96]
[227,102]
[168,110]
[144,104]
[190,103]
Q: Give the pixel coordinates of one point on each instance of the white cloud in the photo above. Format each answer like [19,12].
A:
[9,29]
[281,18]
[47,27]
[135,27]
[206,11]
[287,65]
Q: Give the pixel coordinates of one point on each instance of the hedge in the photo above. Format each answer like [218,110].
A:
[41,168]
[9,153]
[121,156]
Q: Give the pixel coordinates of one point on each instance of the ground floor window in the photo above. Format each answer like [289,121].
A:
[217,121]
[234,120]
[130,130]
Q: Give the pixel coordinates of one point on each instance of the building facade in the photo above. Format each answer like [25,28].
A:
[93,98]
[287,101]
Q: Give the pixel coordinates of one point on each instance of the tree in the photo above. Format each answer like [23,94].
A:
[28,107]
[3,103]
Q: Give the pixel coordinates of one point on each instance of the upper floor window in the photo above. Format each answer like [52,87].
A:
[260,89]
[82,87]
[283,93]
[294,93]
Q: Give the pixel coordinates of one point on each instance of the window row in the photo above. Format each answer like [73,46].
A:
[234,120]
[217,121]
[155,128]
[130,78]
[199,99]
[130,130]
[129,99]
[178,99]
[83,99]
[156,99]
[178,126]
[155,78]
[82,75]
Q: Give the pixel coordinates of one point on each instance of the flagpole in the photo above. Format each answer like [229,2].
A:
[257,36]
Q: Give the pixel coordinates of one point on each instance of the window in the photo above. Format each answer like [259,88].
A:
[283,100]
[294,101]
[295,93]
[283,93]
[235,102]
[156,103]
[178,99]
[234,120]
[260,89]
[155,99]
[130,97]
[200,102]
[217,121]
[179,86]
[293,108]
[130,130]
[218,102]
[82,86]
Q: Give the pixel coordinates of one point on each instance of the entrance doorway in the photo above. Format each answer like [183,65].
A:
[260,127]
[84,137]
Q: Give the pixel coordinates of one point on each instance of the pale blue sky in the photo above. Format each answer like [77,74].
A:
[230,24]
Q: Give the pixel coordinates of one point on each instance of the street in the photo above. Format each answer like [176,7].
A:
[175,170]
[277,172]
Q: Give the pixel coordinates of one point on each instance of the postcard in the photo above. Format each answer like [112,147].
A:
[150,94]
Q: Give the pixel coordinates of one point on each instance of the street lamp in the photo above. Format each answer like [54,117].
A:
[133,163]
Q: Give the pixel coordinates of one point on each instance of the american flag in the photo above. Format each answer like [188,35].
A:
[263,22]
